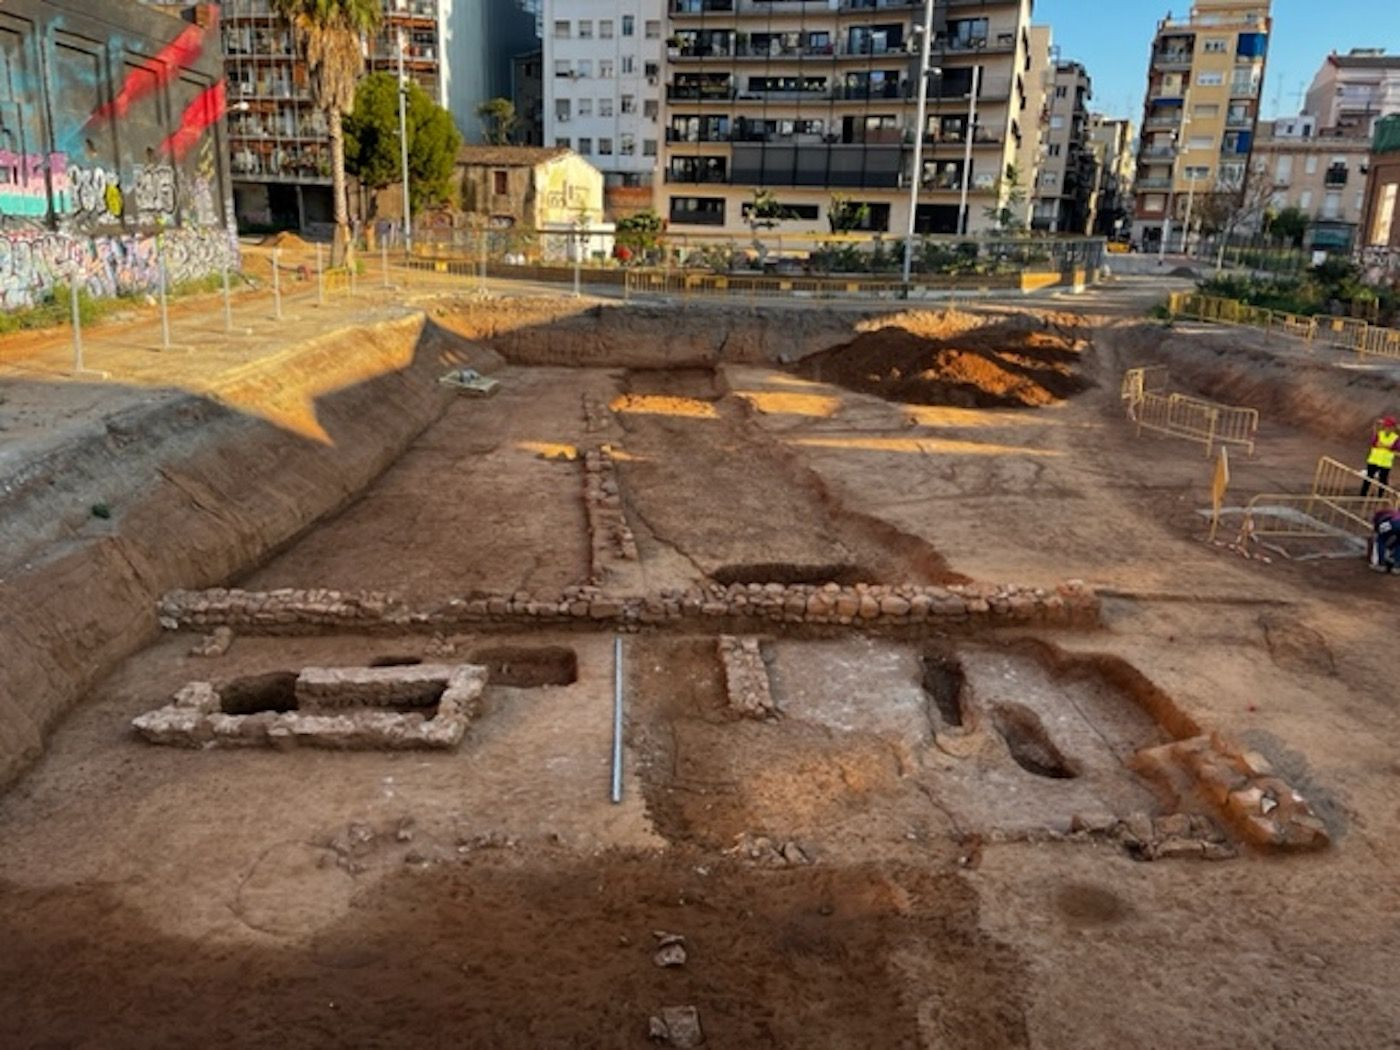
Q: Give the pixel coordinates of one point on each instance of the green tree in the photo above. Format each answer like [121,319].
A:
[329,36]
[844,215]
[1009,212]
[372,147]
[1289,225]
[499,116]
[638,233]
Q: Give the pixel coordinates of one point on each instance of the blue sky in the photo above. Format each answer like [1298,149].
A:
[1113,37]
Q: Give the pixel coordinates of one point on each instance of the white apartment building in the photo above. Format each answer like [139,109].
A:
[603,84]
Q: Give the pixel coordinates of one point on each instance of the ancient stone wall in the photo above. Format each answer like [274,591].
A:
[863,606]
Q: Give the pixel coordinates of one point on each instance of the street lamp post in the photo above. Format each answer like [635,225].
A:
[968,134]
[920,119]
[403,147]
[1186,226]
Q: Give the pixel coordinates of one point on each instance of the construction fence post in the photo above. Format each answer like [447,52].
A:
[277,283]
[320,278]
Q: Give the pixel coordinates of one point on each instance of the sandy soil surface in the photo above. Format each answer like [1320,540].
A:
[882,864]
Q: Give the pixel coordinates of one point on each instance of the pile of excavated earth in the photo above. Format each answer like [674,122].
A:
[781,676]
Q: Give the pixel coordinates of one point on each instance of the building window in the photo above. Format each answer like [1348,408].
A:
[562,67]
[585,146]
[562,143]
[697,211]
[1052,150]
[561,29]
[1216,45]
[561,109]
[605,68]
[1206,111]
[1197,173]
[1305,200]
[585,107]
[1200,142]
[605,107]
[629,64]
[500,182]
[648,147]
[1056,123]
[1061,90]
[605,147]
[585,29]
[650,108]
[1311,165]
[652,70]
[1283,170]
[1232,174]
[629,104]
[585,67]
[1332,206]
[653,29]
[1048,180]
[629,25]
[605,28]
[1210,79]
[627,145]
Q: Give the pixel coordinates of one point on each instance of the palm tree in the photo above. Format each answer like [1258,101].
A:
[329,36]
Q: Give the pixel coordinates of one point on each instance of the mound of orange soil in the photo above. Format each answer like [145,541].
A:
[1008,364]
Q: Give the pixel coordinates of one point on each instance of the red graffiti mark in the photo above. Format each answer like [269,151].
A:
[206,109]
[181,52]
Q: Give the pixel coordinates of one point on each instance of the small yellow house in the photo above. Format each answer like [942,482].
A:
[552,191]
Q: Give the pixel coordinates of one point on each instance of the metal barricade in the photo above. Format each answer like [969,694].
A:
[1235,425]
[1184,419]
[1294,517]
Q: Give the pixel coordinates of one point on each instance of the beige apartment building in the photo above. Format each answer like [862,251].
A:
[1351,92]
[1064,186]
[1111,143]
[1322,174]
[1203,87]
[1040,86]
[815,102]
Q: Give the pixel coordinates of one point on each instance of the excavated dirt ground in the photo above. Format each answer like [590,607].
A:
[883,864]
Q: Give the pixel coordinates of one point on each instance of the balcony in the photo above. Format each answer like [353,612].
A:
[876,5]
[818,165]
[682,8]
[957,45]
[1164,120]
[1173,59]
[699,93]
[1239,121]
[1155,182]
[1336,176]
[1158,152]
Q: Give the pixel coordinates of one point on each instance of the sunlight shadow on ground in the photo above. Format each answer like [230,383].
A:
[923,446]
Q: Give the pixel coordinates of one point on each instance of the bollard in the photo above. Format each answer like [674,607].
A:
[482,281]
[164,304]
[77,328]
[320,279]
[277,282]
[578,262]
[384,260]
[228,302]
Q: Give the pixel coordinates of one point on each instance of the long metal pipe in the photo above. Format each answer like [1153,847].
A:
[967,148]
[617,720]
[403,147]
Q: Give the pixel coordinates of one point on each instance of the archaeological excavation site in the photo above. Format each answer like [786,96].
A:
[737,674]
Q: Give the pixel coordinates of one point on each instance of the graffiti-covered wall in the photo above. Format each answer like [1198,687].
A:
[112,147]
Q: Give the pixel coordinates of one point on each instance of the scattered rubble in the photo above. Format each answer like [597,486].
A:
[746,677]
[214,644]
[670,949]
[678,1026]
[768,851]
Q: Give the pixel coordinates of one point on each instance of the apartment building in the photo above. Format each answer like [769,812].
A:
[1203,85]
[1321,174]
[815,103]
[1064,187]
[459,51]
[603,85]
[1351,92]
[1380,221]
[1111,142]
[1035,123]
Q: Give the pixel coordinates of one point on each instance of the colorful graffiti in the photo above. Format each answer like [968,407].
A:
[86,208]
[32,264]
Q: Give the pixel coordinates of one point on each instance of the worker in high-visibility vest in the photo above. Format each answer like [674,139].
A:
[1384,440]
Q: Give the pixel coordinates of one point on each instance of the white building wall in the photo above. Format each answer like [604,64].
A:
[603,85]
